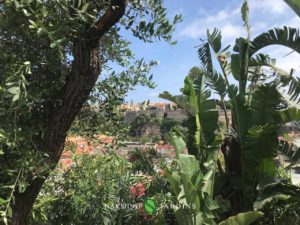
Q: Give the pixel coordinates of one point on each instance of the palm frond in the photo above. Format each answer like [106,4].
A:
[285,36]
[204,55]
[270,189]
[240,61]
[241,114]
[214,40]
[180,100]
[261,142]
[262,60]
[290,151]
[196,75]
[208,116]
[290,103]
[265,104]
[214,79]
[204,52]
[288,115]
[294,89]
[235,66]
[202,116]
[286,79]
[288,37]
[245,218]
[217,83]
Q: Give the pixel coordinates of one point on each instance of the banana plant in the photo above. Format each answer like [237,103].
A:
[192,179]
[246,218]
[192,187]
[257,106]
[258,110]
[202,114]
[270,189]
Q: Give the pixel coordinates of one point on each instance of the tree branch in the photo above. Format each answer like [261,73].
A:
[86,67]
[112,15]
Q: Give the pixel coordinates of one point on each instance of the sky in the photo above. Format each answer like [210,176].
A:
[198,16]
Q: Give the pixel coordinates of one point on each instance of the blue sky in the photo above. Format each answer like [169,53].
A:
[198,16]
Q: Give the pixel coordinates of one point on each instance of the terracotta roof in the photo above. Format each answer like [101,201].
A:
[168,147]
[158,104]
[104,138]
[81,146]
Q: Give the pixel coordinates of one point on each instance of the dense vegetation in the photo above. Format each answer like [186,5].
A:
[104,190]
[151,128]
[52,55]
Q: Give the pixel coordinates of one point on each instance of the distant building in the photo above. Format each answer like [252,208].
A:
[178,114]
[171,111]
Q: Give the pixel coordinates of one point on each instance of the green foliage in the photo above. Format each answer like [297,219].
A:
[37,68]
[290,151]
[285,36]
[99,190]
[217,83]
[246,218]
[279,201]
[280,212]
[262,142]
[265,104]
[87,192]
[166,126]
[100,114]
[142,123]
[257,106]
[143,161]
[270,189]
[192,188]
[202,121]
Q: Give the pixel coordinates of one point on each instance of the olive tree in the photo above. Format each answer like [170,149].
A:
[52,53]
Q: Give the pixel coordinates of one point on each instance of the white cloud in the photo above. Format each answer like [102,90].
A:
[272,6]
[264,14]
[223,20]
[293,22]
[194,30]
[258,27]
[292,61]
[230,31]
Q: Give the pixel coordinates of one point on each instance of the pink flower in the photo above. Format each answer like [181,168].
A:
[137,190]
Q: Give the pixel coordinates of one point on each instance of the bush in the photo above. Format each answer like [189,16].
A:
[281,212]
[102,190]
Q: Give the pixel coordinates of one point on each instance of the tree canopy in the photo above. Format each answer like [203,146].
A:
[52,55]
